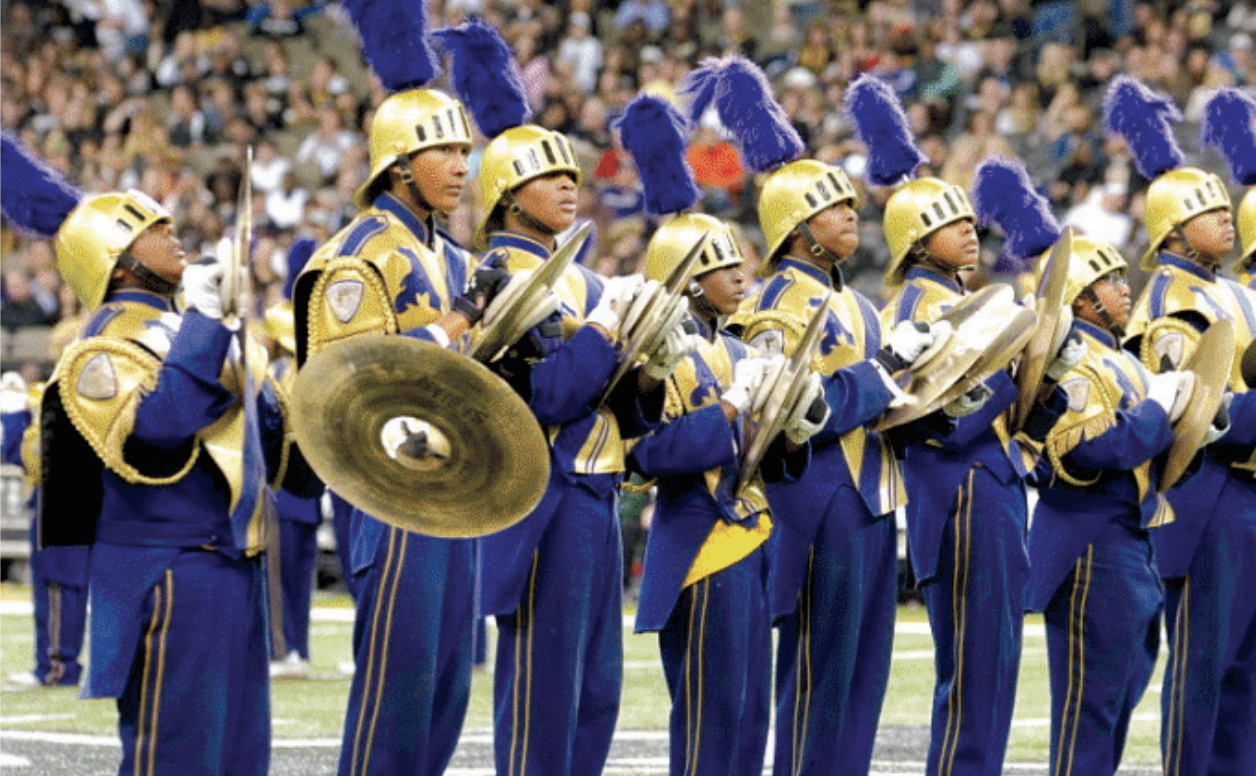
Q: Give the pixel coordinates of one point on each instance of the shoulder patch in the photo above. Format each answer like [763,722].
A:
[1078,390]
[98,380]
[345,297]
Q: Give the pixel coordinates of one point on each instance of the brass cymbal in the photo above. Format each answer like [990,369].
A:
[503,329]
[984,331]
[1049,306]
[420,437]
[1211,363]
[785,393]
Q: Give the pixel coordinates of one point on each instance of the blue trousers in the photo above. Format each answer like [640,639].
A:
[1103,633]
[1209,701]
[299,548]
[560,660]
[976,606]
[717,656]
[833,655]
[197,699]
[59,582]
[412,647]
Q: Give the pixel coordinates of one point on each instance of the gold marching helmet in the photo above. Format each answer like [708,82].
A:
[916,210]
[515,157]
[795,193]
[409,122]
[96,234]
[1089,261]
[673,241]
[1174,198]
[1247,229]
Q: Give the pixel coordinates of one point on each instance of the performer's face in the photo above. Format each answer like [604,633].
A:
[724,288]
[1211,233]
[955,245]
[1113,291]
[551,199]
[441,174]
[158,249]
[837,228]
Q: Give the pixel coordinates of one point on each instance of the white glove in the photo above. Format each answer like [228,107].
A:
[1220,425]
[12,393]
[968,403]
[809,414]
[202,287]
[1165,388]
[676,345]
[670,318]
[905,344]
[775,365]
[617,293]
[1069,356]
[748,375]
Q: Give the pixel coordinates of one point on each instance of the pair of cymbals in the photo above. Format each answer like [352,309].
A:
[1211,363]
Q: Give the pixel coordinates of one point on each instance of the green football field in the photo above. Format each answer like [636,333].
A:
[312,711]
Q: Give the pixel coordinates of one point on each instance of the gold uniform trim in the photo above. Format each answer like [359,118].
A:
[155,640]
[1176,669]
[1083,573]
[349,298]
[1168,337]
[103,381]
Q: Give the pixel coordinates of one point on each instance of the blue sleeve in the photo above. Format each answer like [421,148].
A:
[15,424]
[689,444]
[188,396]
[856,396]
[270,421]
[569,381]
[1242,420]
[1140,433]
[972,426]
[636,413]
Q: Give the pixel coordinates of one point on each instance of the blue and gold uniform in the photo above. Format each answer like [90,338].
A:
[1208,556]
[554,580]
[967,516]
[1093,572]
[58,574]
[176,583]
[706,568]
[836,545]
[388,272]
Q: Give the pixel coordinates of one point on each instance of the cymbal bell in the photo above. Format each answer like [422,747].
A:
[419,437]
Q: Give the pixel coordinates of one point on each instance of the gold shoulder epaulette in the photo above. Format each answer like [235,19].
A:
[1167,338]
[349,298]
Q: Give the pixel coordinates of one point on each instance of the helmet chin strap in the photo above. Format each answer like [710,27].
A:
[821,253]
[151,280]
[1190,252]
[412,185]
[1109,323]
[526,218]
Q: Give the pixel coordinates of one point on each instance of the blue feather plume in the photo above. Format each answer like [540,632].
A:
[1004,194]
[655,133]
[882,126]
[743,97]
[700,84]
[1229,123]
[34,197]
[485,76]
[1144,118]
[298,255]
[394,41]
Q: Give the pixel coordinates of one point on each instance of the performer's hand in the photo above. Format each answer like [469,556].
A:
[968,403]
[488,280]
[12,393]
[1069,356]
[810,413]
[202,287]
[676,345]
[630,314]
[1171,390]
[905,344]
[748,376]
[1220,425]
[617,294]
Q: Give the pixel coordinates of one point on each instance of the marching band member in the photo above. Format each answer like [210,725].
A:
[1093,571]
[392,271]
[152,454]
[1206,558]
[967,508]
[836,546]
[704,589]
[553,581]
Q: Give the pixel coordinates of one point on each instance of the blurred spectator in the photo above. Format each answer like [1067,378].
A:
[1103,215]
[326,145]
[20,307]
[581,52]
[653,13]
[717,169]
[285,205]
